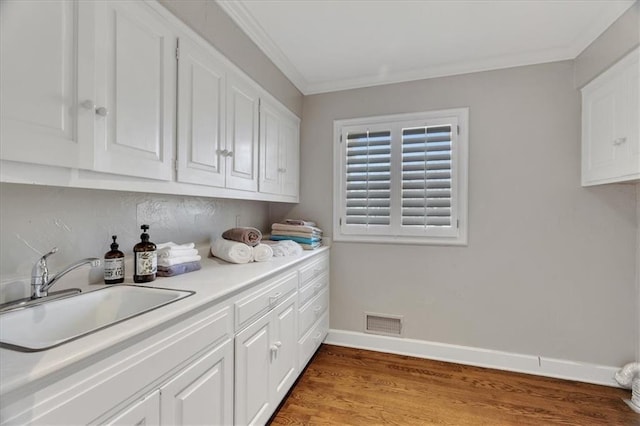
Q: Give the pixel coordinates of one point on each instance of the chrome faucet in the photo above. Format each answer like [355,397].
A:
[41,282]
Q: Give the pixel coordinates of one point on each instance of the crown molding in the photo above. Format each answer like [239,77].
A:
[250,26]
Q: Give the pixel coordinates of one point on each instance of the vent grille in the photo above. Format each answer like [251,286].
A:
[388,325]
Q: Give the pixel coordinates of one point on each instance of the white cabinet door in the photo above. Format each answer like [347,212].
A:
[202,394]
[290,156]
[201,109]
[610,124]
[135,91]
[252,362]
[279,150]
[269,149]
[242,134]
[38,76]
[284,357]
[145,412]
[266,363]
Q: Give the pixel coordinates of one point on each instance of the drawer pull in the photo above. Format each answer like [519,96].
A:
[273,299]
[317,287]
[619,141]
[317,271]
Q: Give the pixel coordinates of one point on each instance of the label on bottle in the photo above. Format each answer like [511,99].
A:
[114,268]
[146,262]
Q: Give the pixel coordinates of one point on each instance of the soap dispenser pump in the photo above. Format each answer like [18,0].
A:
[114,264]
[145,258]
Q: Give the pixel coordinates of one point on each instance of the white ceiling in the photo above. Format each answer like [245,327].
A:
[327,45]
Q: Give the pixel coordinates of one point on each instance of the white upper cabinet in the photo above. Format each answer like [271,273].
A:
[241,149]
[611,124]
[279,150]
[201,112]
[134,100]
[121,94]
[38,78]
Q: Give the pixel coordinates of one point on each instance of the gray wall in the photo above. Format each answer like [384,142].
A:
[212,23]
[550,266]
[619,39]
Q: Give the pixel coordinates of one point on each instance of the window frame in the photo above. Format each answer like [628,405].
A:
[459,119]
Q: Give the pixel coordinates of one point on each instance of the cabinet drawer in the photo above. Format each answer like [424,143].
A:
[314,287]
[265,299]
[313,310]
[312,340]
[314,269]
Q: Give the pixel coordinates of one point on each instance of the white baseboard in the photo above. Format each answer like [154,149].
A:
[530,364]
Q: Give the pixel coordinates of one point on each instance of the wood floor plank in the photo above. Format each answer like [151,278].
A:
[345,386]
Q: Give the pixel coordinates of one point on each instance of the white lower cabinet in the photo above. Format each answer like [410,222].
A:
[266,363]
[230,363]
[201,394]
[143,412]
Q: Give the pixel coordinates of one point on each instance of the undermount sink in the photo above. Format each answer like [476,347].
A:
[53,323]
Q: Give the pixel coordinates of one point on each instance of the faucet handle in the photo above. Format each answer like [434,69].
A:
[52,251]
[40,272]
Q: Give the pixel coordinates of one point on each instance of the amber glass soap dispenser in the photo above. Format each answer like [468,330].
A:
[114,264]
[145,258]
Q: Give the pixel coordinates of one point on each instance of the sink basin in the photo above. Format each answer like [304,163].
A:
[53,323]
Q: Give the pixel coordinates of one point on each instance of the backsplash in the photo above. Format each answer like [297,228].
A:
[80,222]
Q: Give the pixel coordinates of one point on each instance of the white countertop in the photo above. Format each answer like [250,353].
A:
[216,281]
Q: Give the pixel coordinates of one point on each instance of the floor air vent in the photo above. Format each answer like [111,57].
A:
[389,325]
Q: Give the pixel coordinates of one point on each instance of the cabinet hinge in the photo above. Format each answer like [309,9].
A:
[458,129]
[457,223]
[340,221]
[177,52]
[340,138]
[175,164]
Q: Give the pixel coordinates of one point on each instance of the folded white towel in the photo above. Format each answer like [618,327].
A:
[171,250]
[232,251]
[170,261]
[284,248]
[170,253]
[262,253]
[173,245]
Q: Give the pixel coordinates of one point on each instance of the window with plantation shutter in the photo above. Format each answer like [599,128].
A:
[426,176]
[368,178]
[402,178]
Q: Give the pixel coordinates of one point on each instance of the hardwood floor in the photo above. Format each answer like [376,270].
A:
[356,387]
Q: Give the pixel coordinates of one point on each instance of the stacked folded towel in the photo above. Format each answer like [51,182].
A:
[241,245]
[284,248]
[304,232]
[176,259]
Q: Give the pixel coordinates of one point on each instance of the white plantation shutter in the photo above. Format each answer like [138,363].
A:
[427,176]
[402,178]
[368,178]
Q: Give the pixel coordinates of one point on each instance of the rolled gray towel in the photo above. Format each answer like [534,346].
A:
[248,235]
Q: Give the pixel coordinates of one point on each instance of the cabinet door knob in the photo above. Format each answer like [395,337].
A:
[102,111]
[619,141]
[229,153]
